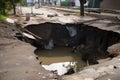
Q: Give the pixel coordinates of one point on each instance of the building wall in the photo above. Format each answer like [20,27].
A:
[58,3]
[110,4]
[30,2]
[77,3]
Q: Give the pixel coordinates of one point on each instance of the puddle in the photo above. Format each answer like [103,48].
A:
[60,59]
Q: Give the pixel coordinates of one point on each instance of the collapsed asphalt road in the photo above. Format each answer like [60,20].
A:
[111,67]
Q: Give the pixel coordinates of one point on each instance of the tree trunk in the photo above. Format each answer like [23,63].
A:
[3,8]
[20,9]
[82,7]
[14,9]
[39,2]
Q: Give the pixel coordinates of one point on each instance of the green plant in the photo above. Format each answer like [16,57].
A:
[2,17]
[78,14]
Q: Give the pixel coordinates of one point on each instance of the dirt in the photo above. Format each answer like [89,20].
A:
[18,61]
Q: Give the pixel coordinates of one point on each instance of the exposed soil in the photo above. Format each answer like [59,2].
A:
[18,61]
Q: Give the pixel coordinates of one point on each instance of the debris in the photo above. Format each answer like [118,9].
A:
[27,16]
[52,15]
[10,20]
[61,68]
[67,14]
[28,35]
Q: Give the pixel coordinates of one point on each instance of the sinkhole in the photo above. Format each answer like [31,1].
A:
[67,48]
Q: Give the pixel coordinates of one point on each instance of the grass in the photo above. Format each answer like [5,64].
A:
[3,17]
[78,14]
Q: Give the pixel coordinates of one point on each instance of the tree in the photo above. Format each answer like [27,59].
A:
[39,3]
[82,2]
[6,4]
[14,3]
[3,7]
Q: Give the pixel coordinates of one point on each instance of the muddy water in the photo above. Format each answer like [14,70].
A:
[60,56]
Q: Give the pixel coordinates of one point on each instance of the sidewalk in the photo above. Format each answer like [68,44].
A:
[88,13]
[41,15]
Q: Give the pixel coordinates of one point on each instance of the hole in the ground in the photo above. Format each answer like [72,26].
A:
[60,59]
[69,46]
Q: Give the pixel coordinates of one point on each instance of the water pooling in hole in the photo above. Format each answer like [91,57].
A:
[61,59]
